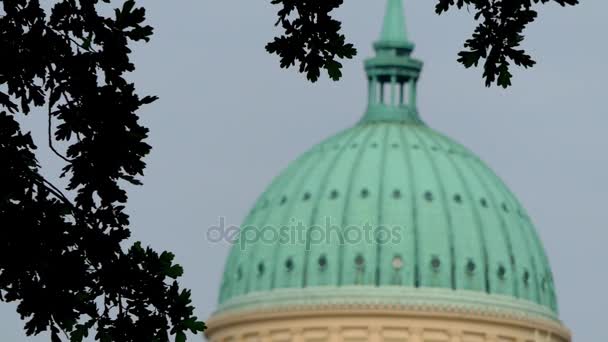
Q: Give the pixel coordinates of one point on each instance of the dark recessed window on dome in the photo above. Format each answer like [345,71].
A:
[333,194]
[364,193]
[289,265]
[543,284]
[283,200]
[505,208]
[483,202]
[457,198]
[471,267]
[435,263]
[322,262]
[502,272]
[359,261]
[526,277]
[428,196]
[261,269]
[306,196]
[396,194]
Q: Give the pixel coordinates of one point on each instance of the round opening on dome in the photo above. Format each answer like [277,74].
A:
[435,263]
[364,193]
[397,262]
[396,194]
[428,196]
[526,277]
[505,208]
[502,272]
[359,261]
[283,200]
[471,267]
[322,262]
[289,265]
[544,284]
[306,196]
[457,198]
[483,202]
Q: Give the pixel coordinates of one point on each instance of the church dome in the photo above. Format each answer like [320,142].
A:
[388,231]
[389,203]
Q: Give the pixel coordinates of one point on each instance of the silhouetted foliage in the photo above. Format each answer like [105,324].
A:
[61,258]
[312,37]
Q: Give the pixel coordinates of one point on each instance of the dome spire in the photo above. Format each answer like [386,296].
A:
[393,74]
[394,23]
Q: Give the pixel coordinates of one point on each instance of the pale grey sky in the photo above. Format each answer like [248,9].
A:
[229,119]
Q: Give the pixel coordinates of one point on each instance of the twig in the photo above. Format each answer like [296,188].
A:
[66,36]
[50,133]
[53,189]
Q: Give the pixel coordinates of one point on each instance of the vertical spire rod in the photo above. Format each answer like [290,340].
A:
[413,85]
[393,90]
[373,86]
[393,29]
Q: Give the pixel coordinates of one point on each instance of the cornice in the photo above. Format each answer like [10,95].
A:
[389,297]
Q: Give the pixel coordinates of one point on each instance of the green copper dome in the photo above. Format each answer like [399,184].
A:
[390,203]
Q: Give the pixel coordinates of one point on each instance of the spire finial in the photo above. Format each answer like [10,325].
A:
[392,73]
[393,29]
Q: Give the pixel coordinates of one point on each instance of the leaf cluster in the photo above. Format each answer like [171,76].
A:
[61,254]
[498,36]
[312,39]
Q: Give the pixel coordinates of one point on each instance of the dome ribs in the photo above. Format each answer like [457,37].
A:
[470,201]
[342,261]
[495,208]
[288,215]
[531,236]
[414,206]
[276,190]
[381,199]
[321,190]
[444,202]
